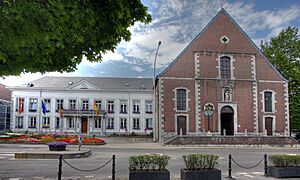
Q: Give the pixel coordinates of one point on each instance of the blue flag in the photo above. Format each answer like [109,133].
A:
[44,108]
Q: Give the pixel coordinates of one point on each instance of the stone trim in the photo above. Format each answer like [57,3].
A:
[253,67]
[161,105]
[232,60]
[263,101]
[286,109]
[255,106]
[273,124]
[197,65]
[177,78]
[187,99]
[234,107]
[187,121]
[269,81]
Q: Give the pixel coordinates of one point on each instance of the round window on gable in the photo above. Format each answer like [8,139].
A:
[224,39]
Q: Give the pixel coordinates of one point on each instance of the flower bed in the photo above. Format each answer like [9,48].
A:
[47,138]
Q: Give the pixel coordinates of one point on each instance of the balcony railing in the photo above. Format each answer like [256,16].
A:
[83,112]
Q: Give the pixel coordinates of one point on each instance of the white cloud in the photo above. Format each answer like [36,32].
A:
[137,68]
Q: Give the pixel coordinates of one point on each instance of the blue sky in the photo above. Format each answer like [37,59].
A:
[176,23]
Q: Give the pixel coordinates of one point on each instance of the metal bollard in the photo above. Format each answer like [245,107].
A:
[266,165]
[229,166]
[59,167]
[113,171]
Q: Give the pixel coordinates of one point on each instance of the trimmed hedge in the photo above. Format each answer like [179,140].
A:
[200,161]
[153,162]
[284,160]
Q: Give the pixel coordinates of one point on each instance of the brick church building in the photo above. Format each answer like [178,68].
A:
[222,84]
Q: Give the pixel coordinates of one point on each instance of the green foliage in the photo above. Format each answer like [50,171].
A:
[154,162]
[53,35]
[200,161]
[284,52]
[283,160]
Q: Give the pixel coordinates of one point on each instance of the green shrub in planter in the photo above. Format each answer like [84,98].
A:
[148,162]
[285,166]
[149,167]
[284,160]
[200,161]
[200,166]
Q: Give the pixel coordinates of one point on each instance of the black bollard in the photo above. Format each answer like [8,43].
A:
[229,166]
[113,171]
[59,167]
[266,165]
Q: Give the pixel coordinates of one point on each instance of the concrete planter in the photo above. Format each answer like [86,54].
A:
[57,148]
[283,172]
[149,175]
[213,174]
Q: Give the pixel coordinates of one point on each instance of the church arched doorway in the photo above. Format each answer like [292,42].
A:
[227,121]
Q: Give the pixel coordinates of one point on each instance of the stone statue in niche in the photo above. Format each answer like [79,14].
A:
[227,95]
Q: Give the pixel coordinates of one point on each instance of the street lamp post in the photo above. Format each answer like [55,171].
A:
[154,99]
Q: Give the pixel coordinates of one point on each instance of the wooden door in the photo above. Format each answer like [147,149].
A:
[269,126]
[84,125]
[181,124]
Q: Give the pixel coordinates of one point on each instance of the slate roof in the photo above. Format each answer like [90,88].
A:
[102,83]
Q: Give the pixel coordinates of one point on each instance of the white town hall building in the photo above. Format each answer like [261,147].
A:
[83,104]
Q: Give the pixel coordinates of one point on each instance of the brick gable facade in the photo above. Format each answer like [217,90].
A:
[238,100]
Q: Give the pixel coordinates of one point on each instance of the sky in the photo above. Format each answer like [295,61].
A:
[175,23]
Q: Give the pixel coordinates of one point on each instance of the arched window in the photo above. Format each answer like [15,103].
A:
[225,67]
[181,99]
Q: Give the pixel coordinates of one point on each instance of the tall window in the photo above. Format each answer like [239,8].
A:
[181,99]
[32,122]
[47,104]
[85,104]
[148,107]
[110,106]
[71,123]
[268,101]
[20,105]
[57,122]
[46,122]
[149,123]
[123,123]
[123,106]
[72,104]
[136,106]
[98,123]
[59,105]
[225,67]
[98,104]
[110,123]
[136,123]
[33,105]
[19,122]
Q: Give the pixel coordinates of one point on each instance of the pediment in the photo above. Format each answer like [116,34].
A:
[83,85]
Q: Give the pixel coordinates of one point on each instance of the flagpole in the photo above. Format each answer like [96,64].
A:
[40,114]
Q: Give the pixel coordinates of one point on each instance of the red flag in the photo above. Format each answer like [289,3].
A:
[20,105]
[61,112]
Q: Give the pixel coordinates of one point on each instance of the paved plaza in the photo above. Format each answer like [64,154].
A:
[14,169]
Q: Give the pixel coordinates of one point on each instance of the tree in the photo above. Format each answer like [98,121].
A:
[284,52]
[53,35]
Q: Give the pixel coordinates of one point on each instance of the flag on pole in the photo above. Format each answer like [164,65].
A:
[61,112]
[96,108]
[20,106]
[44,107]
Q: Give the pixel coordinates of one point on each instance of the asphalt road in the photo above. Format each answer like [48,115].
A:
[15,169]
